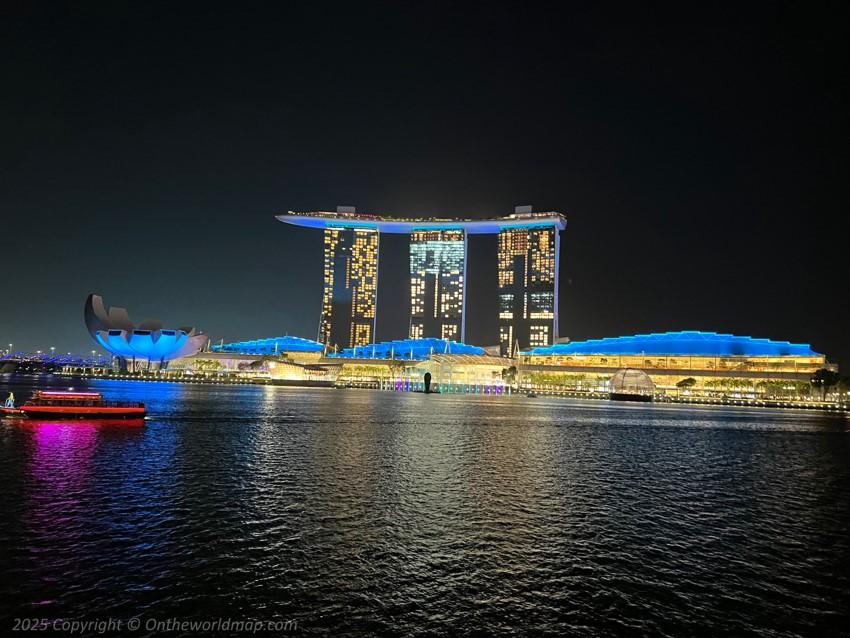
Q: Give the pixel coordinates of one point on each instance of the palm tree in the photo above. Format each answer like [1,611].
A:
[743,384]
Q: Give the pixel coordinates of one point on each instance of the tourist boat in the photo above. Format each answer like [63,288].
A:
[47,404]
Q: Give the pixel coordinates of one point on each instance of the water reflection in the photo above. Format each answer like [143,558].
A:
[59,475]
[60,469]
[391,513]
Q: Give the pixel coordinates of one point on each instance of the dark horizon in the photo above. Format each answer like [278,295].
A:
[697,154]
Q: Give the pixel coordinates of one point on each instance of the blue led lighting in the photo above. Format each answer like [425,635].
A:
[687,342]
[271,346]
[154,345]
[526,225]
[415,349]
[358,225]
[439,227]
[405,227]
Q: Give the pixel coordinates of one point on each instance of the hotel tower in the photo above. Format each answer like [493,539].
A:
[351,285]
[437,283]
[527,263]
[528,284]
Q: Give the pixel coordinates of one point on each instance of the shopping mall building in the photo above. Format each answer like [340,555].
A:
[716,362]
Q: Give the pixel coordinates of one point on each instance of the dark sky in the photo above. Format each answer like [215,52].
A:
[699,154]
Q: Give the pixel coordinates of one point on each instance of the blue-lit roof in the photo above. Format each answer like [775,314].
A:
[271,345]
[688,342]
[416,349]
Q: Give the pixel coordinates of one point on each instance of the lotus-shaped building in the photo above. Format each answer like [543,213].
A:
[112,329]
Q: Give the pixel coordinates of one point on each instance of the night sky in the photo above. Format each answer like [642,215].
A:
[700,156]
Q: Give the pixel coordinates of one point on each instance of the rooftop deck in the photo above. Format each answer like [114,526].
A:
[402,226]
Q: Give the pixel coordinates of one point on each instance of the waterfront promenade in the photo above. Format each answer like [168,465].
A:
[800,403]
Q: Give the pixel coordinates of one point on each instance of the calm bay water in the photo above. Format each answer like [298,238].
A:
[380,513]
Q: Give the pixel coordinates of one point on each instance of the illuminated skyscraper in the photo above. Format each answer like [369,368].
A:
[437,283]
[527,261]
[528,283]
[351,286]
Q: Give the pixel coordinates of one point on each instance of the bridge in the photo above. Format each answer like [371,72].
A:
[29,362]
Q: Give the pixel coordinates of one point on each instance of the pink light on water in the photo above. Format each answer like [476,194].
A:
[60,471]
[63,449]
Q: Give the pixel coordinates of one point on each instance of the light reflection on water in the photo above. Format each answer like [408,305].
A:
[393,513]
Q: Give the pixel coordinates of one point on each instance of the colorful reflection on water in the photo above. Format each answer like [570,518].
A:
[399,513]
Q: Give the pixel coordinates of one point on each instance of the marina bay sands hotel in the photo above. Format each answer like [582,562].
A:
[528,255]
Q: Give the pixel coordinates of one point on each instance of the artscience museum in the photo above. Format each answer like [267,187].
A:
[148,346]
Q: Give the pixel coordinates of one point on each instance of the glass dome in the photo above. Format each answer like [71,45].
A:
[630,381]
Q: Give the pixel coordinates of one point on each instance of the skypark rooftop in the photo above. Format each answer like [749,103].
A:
[401,226]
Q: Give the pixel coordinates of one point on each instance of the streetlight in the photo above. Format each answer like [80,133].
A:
[52,350]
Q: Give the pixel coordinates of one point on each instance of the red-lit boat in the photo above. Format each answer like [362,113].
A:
[46,404]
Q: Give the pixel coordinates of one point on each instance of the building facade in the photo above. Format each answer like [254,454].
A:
[528,286]
[437,283]
[351,287]
[146,347]
[715,363]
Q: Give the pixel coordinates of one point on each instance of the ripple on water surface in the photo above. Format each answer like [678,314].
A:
[407,514]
